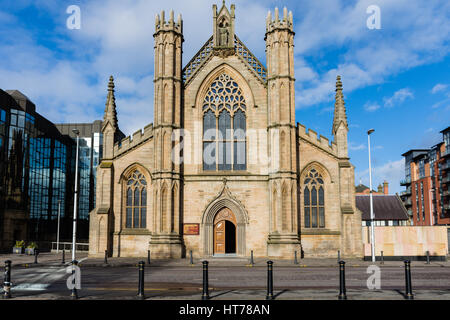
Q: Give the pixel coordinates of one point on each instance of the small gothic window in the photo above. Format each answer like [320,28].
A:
[314,200]
[224,126]
[136,201]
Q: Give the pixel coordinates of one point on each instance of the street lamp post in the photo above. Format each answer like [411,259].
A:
[59,218]
[372,231]
[75,198]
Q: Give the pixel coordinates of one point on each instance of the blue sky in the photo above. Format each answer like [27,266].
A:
[395,79]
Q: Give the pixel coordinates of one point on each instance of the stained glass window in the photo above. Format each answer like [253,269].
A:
[136,201]
[314,200]
[224,126]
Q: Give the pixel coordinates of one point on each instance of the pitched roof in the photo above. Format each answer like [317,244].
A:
[385,207]
[360,188]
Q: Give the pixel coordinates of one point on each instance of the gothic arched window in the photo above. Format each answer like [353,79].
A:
[136,201]
[314,200]
[224,126]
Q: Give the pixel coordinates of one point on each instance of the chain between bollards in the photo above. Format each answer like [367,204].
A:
[148,256]
[74,293]
[36,253]
[342,290]
[141,281]
[7,280]
[269,295]
[205,293]
[295,257]
[409,295]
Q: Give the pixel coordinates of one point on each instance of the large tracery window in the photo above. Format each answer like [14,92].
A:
[136,201]
[224,126]
[314,200]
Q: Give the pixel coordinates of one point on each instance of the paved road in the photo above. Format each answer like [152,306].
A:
[236,282]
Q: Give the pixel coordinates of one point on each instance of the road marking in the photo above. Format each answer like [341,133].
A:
[30,287]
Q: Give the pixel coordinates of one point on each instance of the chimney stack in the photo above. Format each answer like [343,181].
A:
[385,187]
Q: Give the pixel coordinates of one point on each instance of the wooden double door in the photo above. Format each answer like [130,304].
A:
[225,236]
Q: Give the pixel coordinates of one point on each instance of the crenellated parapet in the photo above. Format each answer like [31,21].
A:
[134,140]
[162,25]
[275,23]
[318,141]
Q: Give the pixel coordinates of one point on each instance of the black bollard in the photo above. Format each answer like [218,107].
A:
[382,258]
[428,257]
[269,295]
[141,280]
[74,293]
[342,290]
[148,256]
[191,261]
[7,281]
[295,257]
[205,294]
[36,252]
[409,295]
[64,257]
[106,257]
[252,262]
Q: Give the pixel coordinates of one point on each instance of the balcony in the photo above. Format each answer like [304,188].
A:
[446,193]
[405,182]
[446,153]
[445,166]
[446,179]
[407,202]
[406,192]
[410,213]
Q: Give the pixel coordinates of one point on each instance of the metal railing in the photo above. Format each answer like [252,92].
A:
[68,246]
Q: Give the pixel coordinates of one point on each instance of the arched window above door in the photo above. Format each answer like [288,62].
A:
[224,126]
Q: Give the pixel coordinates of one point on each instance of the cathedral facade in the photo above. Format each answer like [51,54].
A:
[224,169]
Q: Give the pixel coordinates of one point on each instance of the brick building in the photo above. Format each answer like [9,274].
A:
[247,176]
[427,182]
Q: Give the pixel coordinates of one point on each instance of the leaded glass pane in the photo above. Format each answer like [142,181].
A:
[321,217]
[209,126]
[209,156]
[307,194]
[314,217]
[128,218]
[239,125]
[321,200]
[143,217]
[129,197]
[143,197]
[307,218]
[136,197]
[240,156]
[136,218]
[225,156]
[224,125]
[314,196]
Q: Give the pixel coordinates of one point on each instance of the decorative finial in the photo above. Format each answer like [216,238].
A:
[111,83]
[338,83]
[276,14]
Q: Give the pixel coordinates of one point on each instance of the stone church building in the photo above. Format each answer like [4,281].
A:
[224,169]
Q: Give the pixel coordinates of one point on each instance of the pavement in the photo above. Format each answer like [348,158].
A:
[229,279]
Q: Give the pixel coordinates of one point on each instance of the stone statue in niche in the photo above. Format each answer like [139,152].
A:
[223,33]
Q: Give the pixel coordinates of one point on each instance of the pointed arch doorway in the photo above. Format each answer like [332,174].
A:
[225,236]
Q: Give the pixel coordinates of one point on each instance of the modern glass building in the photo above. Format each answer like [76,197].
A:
[37,170]
[90,153]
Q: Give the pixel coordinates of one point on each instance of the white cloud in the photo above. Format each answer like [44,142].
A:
[355,147]
[391,171]
[399,97]
[413,33]
[439,88]
[371,106]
